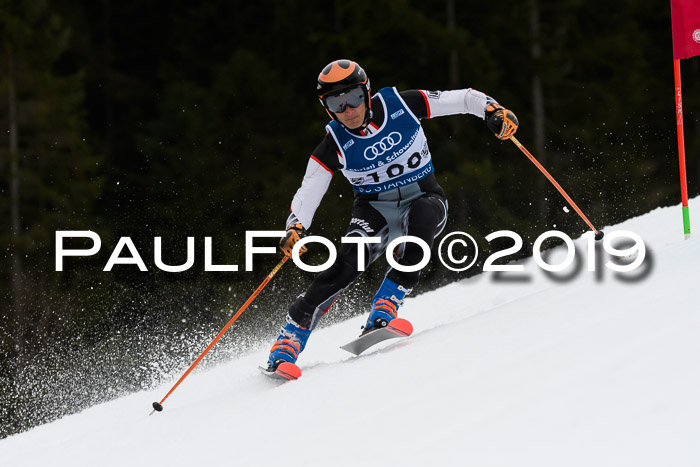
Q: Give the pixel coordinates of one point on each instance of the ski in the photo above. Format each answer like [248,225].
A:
[285,371]
[396,328]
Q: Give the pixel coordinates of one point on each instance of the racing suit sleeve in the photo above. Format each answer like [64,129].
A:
[319,172]
[430,104]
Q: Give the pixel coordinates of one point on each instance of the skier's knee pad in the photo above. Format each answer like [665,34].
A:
[427,218]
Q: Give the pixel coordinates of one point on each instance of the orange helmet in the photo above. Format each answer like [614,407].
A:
[341,76]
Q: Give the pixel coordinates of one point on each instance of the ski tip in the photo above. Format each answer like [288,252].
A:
[284,371]
[400,326]
[288,371]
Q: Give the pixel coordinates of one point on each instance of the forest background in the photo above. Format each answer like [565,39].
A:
[173,119]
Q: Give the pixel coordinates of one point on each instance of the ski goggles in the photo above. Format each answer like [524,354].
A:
[337,103]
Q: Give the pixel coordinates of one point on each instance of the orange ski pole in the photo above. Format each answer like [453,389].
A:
[598,233]
[158,406]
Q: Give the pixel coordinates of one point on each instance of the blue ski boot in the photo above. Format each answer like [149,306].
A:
[289,344]
[385,305]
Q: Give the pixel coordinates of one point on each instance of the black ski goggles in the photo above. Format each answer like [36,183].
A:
[337,103]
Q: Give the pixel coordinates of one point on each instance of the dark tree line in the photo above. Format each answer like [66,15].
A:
[178,119]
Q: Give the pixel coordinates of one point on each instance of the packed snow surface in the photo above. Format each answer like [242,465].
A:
[513,369]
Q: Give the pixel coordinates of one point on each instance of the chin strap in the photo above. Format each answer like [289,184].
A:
[368,117]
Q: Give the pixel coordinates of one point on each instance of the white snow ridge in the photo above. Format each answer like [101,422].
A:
[594,370]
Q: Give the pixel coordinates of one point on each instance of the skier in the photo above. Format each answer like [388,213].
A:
[378,144]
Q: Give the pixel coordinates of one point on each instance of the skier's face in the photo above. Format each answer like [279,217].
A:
[352,117]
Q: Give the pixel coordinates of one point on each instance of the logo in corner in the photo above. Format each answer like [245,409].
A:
[397,114]
[696,36]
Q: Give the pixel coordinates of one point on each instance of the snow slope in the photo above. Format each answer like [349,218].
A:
[592,370]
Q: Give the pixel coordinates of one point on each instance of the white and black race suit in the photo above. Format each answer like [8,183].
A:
[390,168]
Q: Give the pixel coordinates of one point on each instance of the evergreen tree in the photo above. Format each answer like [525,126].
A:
[47,163]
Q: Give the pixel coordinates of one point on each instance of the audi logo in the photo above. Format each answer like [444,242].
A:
[382,146]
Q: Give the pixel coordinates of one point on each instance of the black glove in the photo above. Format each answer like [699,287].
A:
[294,233]
[501,121]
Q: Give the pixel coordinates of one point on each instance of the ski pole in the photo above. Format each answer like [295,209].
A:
[158,406]
[598,233]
